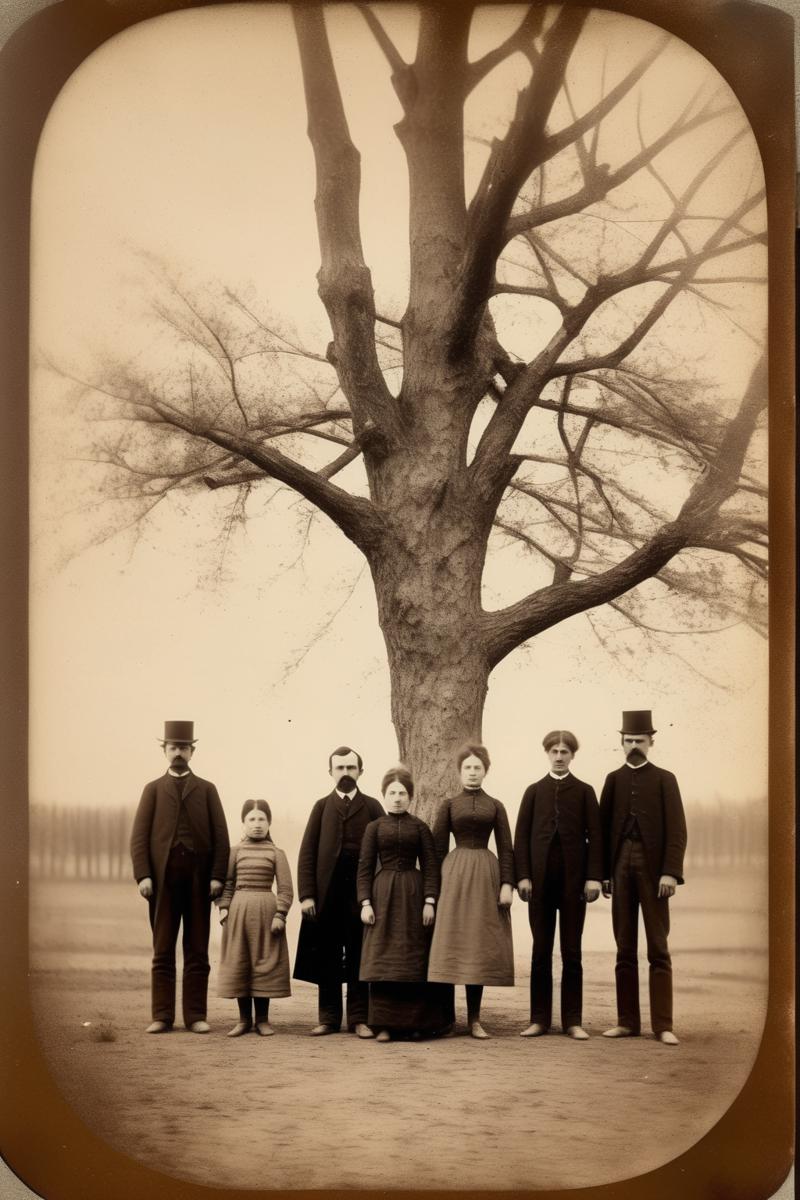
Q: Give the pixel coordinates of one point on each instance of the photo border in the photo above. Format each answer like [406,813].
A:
[747,1155]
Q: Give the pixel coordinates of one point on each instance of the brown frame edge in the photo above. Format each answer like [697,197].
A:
[747,1155]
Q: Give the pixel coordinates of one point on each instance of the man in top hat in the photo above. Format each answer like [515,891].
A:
[644,840]
[179,848]
[329,946]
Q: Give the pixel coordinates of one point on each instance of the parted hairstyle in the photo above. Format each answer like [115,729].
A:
[473,748]
[399,774]
[341,752]
[560,735]
[262,806]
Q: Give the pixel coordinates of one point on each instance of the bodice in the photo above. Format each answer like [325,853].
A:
[472,817]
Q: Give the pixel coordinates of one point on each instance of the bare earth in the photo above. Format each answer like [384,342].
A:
[337,1112]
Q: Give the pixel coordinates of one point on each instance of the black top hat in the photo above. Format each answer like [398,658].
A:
[179,731]
[637,722]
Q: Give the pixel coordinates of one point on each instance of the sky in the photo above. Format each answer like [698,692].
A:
[183,142]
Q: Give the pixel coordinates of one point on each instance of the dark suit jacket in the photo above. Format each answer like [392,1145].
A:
[319,852]
[570,806]
[653,795]
[323,838]
[156,822]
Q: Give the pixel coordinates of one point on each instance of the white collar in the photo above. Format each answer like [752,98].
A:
[553,775]
[637,766]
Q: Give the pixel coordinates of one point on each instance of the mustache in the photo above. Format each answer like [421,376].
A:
[346,784]
[636,756]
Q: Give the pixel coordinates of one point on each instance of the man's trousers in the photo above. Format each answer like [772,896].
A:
[340,932]
[550,899]
[634,887]
[183,898]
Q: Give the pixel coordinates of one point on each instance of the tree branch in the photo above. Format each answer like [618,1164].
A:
[600,180]
[392,54]
[348,455]
[557,142]
[510,163]
[506,629]
[521,40]
[633,277]
[345,284]
[358,518]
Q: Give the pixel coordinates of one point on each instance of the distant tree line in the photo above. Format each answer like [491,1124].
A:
[723,834]
[85,842]
[80,842]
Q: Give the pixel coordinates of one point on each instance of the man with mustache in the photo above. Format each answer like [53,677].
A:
[179,849]
[329,946]
[644,840]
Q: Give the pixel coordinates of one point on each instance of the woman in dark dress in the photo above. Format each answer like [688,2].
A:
[472,939]
[398,909]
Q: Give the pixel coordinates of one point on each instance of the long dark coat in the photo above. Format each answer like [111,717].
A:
[569,805]
[319,852]
[653,795]
[156,823]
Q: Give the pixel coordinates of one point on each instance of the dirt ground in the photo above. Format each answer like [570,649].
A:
[337,1112]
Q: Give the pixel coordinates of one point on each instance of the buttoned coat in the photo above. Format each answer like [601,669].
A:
[323,839]
[570,806]
[156,823]
[653,796]
[319,852]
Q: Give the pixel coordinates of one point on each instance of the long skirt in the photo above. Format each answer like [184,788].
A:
[422,1007]
[255,961]
[395,948]
[472,936]
[394,958]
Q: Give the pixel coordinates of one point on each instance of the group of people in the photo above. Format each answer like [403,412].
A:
[394,915]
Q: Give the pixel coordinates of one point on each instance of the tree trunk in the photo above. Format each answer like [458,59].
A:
[437,705]
[427,577]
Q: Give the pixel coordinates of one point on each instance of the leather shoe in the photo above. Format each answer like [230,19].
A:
[578,1033]
[239,1028]
[321,1030]
[199,1027]
[668,1038]
[618,1031]
[362,1031]
[383,1036]
[264,1029]
[476,1030]
[534,1030]
[159,1027]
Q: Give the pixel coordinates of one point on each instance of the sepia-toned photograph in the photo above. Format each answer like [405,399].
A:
[402,732]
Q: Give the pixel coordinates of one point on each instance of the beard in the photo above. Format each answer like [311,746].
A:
[635,757]
[346,784]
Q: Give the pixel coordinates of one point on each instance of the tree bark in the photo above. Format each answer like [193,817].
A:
[427,577]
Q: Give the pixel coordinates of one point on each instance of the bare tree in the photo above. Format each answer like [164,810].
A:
[601,453]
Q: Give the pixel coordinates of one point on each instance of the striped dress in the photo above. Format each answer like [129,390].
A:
[255,961]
